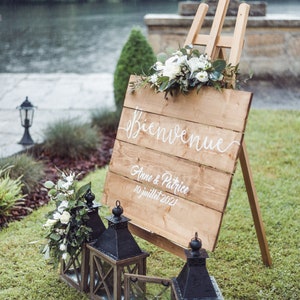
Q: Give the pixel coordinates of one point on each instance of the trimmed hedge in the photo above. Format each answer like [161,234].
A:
[136,57]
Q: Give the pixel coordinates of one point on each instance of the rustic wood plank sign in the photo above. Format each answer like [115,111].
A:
[173,163]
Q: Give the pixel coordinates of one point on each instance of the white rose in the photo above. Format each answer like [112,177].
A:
[172,67]
[202,76]
[65,217]
[195,64]
[64,256]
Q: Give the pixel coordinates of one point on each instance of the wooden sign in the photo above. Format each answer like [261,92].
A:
[173,163]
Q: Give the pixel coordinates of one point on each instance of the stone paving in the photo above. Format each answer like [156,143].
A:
[57,96]
[62,96]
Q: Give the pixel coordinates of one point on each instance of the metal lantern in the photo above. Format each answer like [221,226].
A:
[75,270]
[94,221]
[194,282]
[26,114]
[113,254]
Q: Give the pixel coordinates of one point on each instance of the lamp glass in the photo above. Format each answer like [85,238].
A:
[26,116]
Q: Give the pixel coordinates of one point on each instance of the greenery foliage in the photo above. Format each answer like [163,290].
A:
[26,168]
[70,139]
[187,69]
[136,57]
[271,139]
[10,192]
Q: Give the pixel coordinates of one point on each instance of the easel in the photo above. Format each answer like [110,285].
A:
[215,48]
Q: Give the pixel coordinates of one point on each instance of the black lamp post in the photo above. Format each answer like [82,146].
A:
[26,114]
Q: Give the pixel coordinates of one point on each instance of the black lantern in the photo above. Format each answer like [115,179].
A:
[117,241]
[194,282]
[113,254]
[94,221]
[26,114]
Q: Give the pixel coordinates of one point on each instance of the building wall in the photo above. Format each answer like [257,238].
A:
[272,43]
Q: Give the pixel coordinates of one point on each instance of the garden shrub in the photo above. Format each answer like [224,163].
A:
[69,139]
[136,57]
[10,193]
[25,167]
[106,120]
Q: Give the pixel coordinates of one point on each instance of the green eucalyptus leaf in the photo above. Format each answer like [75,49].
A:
[162,57]
[219,65]
[82,190]
[55,237]
[49,184]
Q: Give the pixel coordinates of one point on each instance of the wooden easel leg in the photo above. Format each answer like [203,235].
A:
[255,209]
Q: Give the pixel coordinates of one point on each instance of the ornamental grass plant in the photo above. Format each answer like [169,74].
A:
[70,139]
[10,193]
[105,119]
[272,139]
[23,166]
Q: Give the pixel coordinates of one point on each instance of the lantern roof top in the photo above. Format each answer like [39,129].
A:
[26,105]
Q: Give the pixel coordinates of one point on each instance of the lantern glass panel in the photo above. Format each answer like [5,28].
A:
[26,116]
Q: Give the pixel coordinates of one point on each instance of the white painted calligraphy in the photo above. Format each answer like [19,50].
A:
[156,195]
[137,125]
[172,183]
[138,171]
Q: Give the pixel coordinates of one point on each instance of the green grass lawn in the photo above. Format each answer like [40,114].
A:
[272,140]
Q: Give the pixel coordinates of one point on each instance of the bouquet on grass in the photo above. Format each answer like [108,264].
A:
[66,224]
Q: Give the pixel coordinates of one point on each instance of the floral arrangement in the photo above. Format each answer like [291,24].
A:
[67,222]
[187,69]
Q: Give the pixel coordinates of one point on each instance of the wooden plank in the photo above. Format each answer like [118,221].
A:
[227,109]
[196,183]
[197,24]
[163,213]
[255,209]
[221,41]
[216,27]
[239,33]
[210,146]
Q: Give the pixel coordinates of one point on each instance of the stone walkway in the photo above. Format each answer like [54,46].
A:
[61,96]
[57,96]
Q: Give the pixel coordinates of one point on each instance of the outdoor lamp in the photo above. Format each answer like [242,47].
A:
[26,114]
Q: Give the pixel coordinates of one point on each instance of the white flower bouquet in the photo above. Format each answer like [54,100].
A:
[187,69]
[66,224]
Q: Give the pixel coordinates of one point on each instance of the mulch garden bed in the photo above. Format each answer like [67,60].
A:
[39,197]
